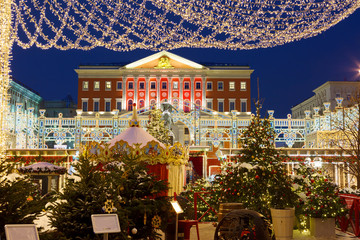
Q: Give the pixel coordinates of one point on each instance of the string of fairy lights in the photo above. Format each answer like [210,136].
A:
[164,24]
[125,25]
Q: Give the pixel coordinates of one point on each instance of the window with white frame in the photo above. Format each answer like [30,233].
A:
[209,85]
[243,105]
[107,85]
[198,85]
[232,86]
[96,85]
[209,103]
[131,85]
[220,105]
[119,85]
[142,85]
[187,85]
[231,104]
[96,104]
[84,104]
[152,85]
[119,104]
[107,104]
[243,86]
[175,85]
[220,86]
[85,85]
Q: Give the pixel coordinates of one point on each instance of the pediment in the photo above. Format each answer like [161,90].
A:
[164,60]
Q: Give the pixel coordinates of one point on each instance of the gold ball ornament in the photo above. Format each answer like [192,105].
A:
[156,221]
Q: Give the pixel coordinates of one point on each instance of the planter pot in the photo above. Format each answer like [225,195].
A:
[283,223]
[322,227]
[225,208]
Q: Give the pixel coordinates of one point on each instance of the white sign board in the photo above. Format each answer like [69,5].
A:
[21,231]
[105,223]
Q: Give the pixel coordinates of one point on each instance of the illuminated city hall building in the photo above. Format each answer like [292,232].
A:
[163,77]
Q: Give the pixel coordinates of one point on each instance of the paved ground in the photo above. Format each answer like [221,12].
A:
[207,231]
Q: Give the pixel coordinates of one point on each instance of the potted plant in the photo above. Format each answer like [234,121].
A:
[258,179]
[321,201]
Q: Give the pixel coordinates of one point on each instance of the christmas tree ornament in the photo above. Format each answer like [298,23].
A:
[109,206]
[156,221]
[134,231]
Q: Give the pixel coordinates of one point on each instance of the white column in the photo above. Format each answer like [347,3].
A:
[169,88]
[181,102]
[135,90]
[147,103]
[124,103]
[192,79]
[203,101]
[158,89]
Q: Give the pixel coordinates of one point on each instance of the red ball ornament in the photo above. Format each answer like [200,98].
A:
[257,177]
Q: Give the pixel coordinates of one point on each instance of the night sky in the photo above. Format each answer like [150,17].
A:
[287,73]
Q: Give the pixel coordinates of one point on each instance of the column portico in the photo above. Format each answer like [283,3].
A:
[124,104]
[192,79]
[203,101]
[147,93]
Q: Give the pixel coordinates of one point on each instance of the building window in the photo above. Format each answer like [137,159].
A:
[220,86]
[131,85]
[175,85]
[141,104]
[96,105]
[220,105]
[243,86]
[232,86]
[187,85]
[96,85]
[209,103]
[243,105]
[107,105]
[118,105]
[130,105]
[198,85]
[141,85]
[186,131]
[153,85]
[107,86]
[231,105]
[164,85]
[187,106]
[348,97]
[118,85]
[85,85]
[152,103]
[198,104]
[85,105]
[209,86]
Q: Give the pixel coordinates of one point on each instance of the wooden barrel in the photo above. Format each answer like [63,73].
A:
[225,208]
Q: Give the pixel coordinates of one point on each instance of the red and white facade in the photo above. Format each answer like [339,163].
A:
[178,81]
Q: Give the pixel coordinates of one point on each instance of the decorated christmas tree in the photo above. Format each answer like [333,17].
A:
[320,195]
[257,178]
[121,187]
[20,200]
[157,127]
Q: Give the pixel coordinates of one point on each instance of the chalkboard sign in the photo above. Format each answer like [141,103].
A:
[105,223]
[21,231]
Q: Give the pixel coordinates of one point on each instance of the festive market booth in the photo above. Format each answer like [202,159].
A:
[165,161]
[45,174]
[57,157]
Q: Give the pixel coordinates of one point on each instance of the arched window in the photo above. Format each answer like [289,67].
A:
[141,104]
[198,104]
[152,104]
[130,105]
[186,106]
